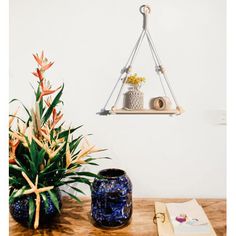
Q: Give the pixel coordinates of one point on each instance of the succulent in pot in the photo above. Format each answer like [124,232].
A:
[44,155]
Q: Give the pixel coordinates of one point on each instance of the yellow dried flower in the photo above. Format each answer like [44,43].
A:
[135,80]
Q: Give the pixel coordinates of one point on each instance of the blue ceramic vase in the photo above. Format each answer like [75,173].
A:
[19,209]
[111,198]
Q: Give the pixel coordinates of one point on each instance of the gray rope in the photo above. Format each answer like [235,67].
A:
[133,51]
[159,65]
[113,90]
[124,70]
[131,62]
[171,91]
[154,48]
[137,47]
[156,65]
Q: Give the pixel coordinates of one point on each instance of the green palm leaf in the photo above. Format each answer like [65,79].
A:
[31,210]
[72,196]
[54,199]
[54,103]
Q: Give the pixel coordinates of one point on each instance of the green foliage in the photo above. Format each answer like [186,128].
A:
[31,210]
[54,199]
[53,105]
[72,196]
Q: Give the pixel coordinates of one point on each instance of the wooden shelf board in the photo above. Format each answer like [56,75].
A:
[144,111]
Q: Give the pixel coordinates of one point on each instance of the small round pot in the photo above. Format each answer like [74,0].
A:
[19,209]
[111,198]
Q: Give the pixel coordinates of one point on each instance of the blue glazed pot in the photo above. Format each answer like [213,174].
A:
[111,198]
[19,209]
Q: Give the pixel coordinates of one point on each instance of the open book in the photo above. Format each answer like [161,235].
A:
[182,219]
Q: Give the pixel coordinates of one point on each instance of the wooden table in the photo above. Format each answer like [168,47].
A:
[75,219]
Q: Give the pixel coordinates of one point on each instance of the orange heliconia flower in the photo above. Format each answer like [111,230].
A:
[13,146]
[52,152]
[56,117]
[35,73]
[38,59]
[42,61]
[86,150]
[48,101]
[43,66]
[47,66]
[46,91]
[40,76]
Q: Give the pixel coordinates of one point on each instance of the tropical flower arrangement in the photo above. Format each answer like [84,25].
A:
[135,80]
[43,153]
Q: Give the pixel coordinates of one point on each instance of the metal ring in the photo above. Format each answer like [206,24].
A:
[145,9]
[159,215]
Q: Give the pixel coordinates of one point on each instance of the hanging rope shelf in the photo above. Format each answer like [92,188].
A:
[158,105]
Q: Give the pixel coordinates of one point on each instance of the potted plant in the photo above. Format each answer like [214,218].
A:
[43,155]
[133,99]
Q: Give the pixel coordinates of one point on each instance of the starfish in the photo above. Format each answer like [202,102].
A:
[37,191]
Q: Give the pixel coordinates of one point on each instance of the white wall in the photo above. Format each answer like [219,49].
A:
[90,41]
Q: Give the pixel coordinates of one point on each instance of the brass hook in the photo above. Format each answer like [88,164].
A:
[159,215]
[145,10]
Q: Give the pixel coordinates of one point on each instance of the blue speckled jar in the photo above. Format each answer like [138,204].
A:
[19,209]
[111,198]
